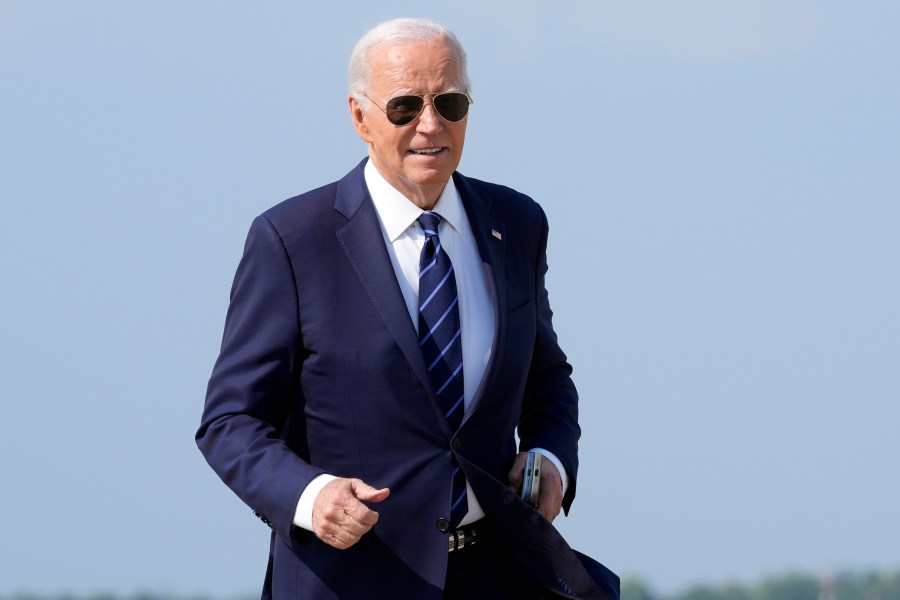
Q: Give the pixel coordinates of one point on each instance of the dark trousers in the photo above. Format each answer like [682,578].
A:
[488,571]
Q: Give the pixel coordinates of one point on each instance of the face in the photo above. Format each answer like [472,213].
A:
[420,157]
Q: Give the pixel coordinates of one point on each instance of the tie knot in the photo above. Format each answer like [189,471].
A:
[429,222]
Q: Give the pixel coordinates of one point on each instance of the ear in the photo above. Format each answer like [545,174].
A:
[358,116]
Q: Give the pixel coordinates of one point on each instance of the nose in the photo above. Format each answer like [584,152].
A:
[428,121]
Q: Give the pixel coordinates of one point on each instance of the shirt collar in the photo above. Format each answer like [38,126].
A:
[398,213]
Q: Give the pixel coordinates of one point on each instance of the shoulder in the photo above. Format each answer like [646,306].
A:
[494,191]
[499,198]
[303,208]
[329,205]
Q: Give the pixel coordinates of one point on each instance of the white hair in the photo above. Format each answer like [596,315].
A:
[398,31]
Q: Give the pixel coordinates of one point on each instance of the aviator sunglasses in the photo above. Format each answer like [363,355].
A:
[403,110]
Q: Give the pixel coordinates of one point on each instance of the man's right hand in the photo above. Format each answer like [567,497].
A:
[339,518]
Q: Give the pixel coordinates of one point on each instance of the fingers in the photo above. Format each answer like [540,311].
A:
[339,518]
[551,494]
[516,472]
[360,516]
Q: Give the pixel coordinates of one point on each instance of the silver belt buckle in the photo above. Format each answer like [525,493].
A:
[457,539]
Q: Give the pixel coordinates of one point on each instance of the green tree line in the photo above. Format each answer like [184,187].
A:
[792,586]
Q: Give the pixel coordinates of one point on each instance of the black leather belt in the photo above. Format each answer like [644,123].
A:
[465,537]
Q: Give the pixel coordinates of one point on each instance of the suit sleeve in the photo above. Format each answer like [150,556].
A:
[550,407]
[255,385]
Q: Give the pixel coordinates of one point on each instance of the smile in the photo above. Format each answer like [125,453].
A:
[427,151]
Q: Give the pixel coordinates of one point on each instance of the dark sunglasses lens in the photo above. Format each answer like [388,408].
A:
[453,106]
[403,109]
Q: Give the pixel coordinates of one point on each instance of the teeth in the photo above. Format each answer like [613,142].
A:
[428,151]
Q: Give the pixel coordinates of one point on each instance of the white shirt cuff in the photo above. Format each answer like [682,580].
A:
[303,513]
[562,472]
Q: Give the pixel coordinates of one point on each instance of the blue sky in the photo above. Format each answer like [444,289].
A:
[721,180]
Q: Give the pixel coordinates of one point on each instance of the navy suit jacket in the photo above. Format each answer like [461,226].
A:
[320,371]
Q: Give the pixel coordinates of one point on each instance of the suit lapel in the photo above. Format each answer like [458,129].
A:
[363,243]
[488,231]
[533,539]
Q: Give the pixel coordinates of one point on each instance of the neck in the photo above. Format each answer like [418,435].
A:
[425,196]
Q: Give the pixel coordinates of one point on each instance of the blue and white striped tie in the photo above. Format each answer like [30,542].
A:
[441,342]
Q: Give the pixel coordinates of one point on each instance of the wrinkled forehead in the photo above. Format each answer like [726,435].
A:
[409,63]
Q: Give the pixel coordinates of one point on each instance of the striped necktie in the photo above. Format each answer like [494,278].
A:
[441,342]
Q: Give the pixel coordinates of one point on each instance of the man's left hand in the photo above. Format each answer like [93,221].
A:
[551,496]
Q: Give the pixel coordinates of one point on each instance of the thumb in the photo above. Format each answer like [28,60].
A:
[364,491]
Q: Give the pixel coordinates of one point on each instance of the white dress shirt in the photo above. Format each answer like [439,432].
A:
[404,240]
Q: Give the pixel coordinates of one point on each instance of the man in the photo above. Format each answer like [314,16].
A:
[387,336]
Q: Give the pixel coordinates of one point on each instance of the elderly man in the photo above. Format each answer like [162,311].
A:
[388,335]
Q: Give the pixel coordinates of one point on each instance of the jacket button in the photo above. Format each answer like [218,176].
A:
[456,444]
[443,525]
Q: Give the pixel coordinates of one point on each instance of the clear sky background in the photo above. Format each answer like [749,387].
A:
[721,180]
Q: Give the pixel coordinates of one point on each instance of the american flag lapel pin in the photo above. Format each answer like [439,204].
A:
[496,234]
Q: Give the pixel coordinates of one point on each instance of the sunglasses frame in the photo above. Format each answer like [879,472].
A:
[426,100]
